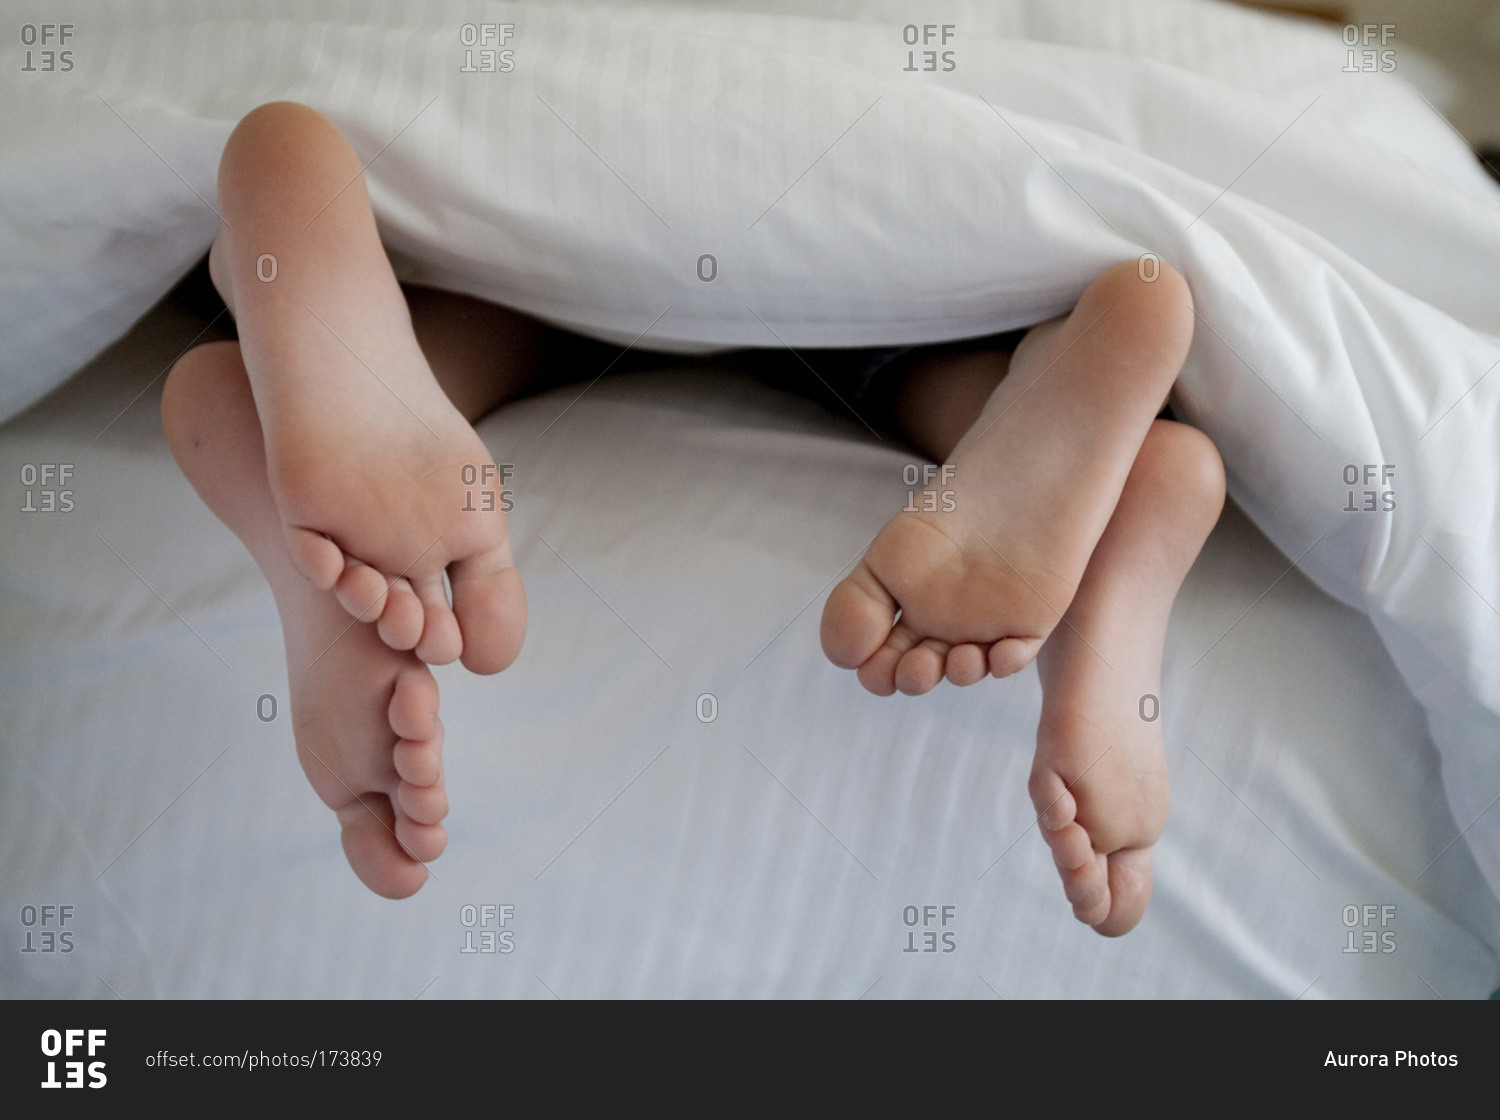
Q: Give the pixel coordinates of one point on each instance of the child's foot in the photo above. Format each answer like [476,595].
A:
[379,481]
[364,715]
[1099,782]
[976,590]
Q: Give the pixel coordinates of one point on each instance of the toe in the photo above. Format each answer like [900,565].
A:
[920,669]
[966,665]
[1054,803]
[423,842]
[400,624]
[423,804]
[1070,846]
[1130,878]
[857,619]
[1084,873]
[315,556]
[441,641]
[878,673]
[361,590]
[1011,655]
[1087,888]
[490,605]
[370,845]
[420,761]
[414,704]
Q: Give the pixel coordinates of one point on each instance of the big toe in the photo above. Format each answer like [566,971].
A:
[857,618]
[1130,880]
[373,850]
[490,605]
[1011,655]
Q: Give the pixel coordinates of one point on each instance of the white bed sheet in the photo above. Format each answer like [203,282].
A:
[677,532]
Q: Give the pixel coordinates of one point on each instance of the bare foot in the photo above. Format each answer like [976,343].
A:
[976,589]
[364,715]
[1099,781]
[373,471]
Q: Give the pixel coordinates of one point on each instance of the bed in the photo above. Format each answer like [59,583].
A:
[672,793]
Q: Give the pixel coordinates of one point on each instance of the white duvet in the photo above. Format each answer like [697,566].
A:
[757,174]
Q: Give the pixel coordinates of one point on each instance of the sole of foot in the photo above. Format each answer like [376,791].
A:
[364,715]
[1099,779]
[372,469]
[976,589]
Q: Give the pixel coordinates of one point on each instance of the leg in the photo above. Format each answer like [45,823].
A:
[481,354]
[1036,479]
[364,715]
[364,451]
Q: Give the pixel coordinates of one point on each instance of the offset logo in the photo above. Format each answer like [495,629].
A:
[44,487]
[48,37]
[1377,495]
[46,929]
[1362,936]
[486,475]
[491,919]
[926,35]
[67,1044]
[492,57]
[931,499]
[939,940]
[1372,59]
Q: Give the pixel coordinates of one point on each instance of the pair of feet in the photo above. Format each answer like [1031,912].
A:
[1061,528]
[323,440]
[327,440]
